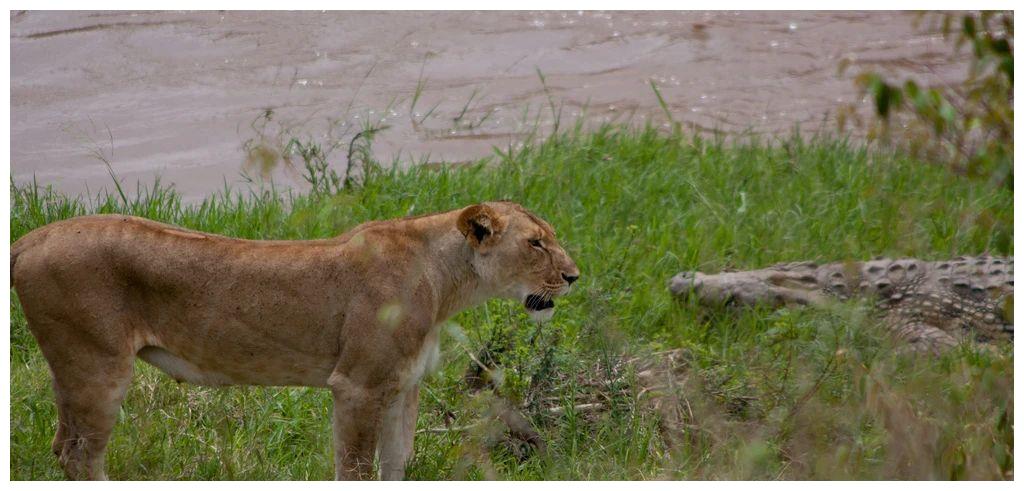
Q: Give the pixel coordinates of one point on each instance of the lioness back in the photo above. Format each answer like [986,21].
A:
[230,306]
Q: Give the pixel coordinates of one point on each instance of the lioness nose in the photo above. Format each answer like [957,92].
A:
[570,279]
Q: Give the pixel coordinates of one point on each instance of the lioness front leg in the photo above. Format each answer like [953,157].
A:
[397,433]
[358,412]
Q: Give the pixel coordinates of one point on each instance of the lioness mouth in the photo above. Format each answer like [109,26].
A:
[537,302]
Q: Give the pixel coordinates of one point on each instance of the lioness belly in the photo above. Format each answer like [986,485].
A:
[271,372]
[181,369]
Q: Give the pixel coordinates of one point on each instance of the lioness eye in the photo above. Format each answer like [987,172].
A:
[536,243]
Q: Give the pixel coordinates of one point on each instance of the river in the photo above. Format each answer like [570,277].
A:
[178,94]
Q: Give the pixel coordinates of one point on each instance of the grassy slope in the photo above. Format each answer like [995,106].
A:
[790,394]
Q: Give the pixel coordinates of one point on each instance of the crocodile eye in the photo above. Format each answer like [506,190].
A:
[536,243]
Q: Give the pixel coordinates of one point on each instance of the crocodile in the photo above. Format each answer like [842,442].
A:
[933,305]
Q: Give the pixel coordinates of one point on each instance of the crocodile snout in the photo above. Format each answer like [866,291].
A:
[686,282]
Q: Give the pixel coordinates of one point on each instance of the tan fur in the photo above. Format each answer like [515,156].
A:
[357,314]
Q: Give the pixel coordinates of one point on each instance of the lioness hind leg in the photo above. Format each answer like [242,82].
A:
[87,408]
[90,379]
[88,405]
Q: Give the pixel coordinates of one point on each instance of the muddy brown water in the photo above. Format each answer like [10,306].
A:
[177,95]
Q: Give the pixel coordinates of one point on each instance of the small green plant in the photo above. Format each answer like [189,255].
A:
[967,126]
[322,179]
[360,150]
[267,149]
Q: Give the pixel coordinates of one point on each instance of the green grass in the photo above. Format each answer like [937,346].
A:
[793,394]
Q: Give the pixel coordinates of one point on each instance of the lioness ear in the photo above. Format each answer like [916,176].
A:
[481,226]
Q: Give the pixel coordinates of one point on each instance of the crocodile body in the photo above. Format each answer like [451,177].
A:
[931,304]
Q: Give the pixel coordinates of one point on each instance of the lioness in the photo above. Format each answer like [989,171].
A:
[358,314]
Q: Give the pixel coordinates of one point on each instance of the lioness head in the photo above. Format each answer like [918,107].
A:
[516,255]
